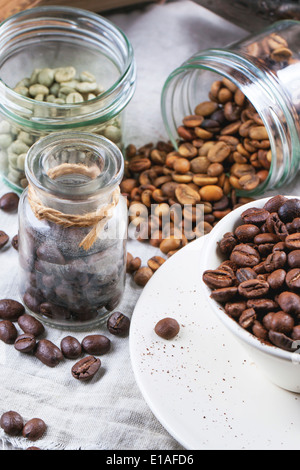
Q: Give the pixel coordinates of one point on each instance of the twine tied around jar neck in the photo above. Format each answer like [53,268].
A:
[97,219]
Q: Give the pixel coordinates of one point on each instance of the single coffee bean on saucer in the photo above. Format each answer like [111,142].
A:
[167,328]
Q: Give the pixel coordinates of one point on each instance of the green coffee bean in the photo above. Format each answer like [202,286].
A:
[54,89]
[87,77]
[46,77]
[64,74]
[38,89]
[50,98]
[74,98]
[113,133]
[22,90]
[21,161]
[34,76]
[5,140]
[86,87]
[25,137]
[18,147]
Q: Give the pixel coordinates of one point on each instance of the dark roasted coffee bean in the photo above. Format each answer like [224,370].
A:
[279,321]
[71,347]
[8,332]
[244,274]
[289,302]
[51,310]
[50,253]
[294,259]
[167,328]
[266,238]
[217,278]
[48,353]
[276,279]
[275,261]
[292,241]
[11,309]
[224,295]
[227,244]
[289,210]
[273,204]
[15,242]
[262,305]
[3,239]
[34,429]
[296,333]
[282,341]
[9,202]
[253,288]
[293,279]
[247,318]
[30,324]
[86,368]
[96,345]
[246,233]
[245,255]
[25,343]
[235,309]
[259,331]
[275,225]
[33,303]
[118,324]
[12,423]
[255,216]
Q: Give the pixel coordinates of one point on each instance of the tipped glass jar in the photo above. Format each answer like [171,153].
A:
[72,230]
[60,68]
[251,92]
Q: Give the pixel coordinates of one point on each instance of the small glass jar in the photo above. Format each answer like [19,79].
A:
[72,230]
[52,37]
[265,67]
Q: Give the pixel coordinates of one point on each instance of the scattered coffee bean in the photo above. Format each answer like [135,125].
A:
[48,353]
[9,202]
[142,276]
[34,429]
[30,324]
[71,347]
[8,332]
[118,324]
[167,328]
[96,345]
[25,343]
[264,272]
[3,239]
[11,309]
[12,423]
[15,242]
[86,368]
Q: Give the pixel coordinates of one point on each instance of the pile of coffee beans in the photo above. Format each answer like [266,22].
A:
[12,311]
[258,283]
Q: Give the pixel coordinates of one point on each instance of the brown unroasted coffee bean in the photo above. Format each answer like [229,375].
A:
[86,368]
[167,328]
[96,345]
[71,347]
[30,324]
[11,309]
[48,353]
[8,332]
[25,343]
[34,429]
[118,324]
[12,423]
[155,262]
[142,276]
[9,202]
[3,239]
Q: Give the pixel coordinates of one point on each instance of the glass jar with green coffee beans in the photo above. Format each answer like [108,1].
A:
[60,69]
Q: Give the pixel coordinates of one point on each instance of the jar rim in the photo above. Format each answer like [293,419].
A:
[110,103]
[104,183]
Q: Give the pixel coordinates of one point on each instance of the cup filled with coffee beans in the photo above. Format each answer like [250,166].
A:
[251,278]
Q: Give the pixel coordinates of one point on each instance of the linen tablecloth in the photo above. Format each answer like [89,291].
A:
[109,412]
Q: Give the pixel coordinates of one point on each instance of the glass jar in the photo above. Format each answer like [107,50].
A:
[53,37]
[72,230]
[265,67]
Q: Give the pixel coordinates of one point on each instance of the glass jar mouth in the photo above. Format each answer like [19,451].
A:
[242,71]
[74,165]
[86,26]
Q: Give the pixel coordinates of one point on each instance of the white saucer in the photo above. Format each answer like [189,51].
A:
[202,386]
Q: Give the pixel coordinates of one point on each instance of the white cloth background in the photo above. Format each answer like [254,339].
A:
[109,412]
